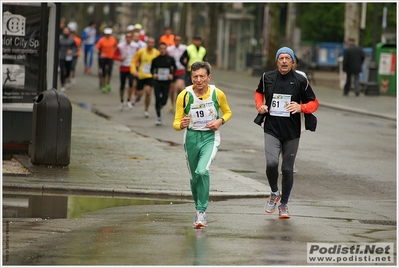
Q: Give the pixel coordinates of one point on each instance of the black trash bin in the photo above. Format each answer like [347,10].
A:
[51,129]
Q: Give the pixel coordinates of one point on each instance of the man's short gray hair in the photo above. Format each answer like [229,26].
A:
[201,65]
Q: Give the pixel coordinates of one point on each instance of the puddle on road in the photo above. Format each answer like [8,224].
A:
[242,171]
[65,207]
[89,107]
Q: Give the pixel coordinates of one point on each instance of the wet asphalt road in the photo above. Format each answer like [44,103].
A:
[239,234]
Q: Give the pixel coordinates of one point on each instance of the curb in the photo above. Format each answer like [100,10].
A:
[157,194]
[359,111]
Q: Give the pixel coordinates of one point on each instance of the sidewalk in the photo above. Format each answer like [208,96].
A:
[108,159]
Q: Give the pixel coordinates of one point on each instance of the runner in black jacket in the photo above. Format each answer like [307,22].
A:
[287,94]
[162,69]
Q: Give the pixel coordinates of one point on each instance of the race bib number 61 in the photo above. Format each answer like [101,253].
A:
[279,105]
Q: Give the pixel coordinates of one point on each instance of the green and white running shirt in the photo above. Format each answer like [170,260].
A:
[202,112]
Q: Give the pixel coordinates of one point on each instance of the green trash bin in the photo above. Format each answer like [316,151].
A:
[386,59]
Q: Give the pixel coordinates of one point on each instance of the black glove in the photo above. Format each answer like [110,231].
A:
[259,119]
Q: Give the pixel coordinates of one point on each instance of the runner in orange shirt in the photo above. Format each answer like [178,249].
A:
[107,45]
[168,37]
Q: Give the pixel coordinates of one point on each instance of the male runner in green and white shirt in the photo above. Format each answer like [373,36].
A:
[200,110]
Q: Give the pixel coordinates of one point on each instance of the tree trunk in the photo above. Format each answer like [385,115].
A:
[352,21]
[290,25]
[215,12]
[188,33]
[275,35]
[183,22]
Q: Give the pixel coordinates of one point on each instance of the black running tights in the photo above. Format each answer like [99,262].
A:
[273,148]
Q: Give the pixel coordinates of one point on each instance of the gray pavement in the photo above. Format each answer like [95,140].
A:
[108,158]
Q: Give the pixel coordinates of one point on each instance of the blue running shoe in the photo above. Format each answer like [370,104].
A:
[283,211]
[271,203]
[200,220]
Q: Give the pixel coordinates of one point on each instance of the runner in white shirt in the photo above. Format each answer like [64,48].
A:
[124,53]
[136,42]
[176,51]
[136,38]
[129,29]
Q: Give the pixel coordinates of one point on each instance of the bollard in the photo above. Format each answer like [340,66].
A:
[257,64]
[51,129]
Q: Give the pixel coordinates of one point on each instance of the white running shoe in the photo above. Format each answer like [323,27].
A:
[146,114]
[121,106]
[158,122]
[129,105]
[200,220]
